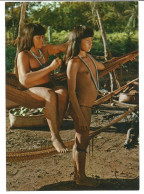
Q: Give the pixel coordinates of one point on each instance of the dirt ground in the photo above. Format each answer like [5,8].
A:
[116,167]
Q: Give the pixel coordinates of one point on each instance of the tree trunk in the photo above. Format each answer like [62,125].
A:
[93,8]
[107,53]
[22,19]
[50,33]
[13,29]
[21,23]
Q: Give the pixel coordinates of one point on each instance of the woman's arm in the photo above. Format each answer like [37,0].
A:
[99,65]
[56,49]
[26,77]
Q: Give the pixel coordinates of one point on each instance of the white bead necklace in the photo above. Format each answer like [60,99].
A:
[39,57]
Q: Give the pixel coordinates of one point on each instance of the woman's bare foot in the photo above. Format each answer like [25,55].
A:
[87,181]
[59,145]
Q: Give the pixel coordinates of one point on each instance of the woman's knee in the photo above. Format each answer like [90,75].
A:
[62,92]
[62,97]
[50,103]
[82,141]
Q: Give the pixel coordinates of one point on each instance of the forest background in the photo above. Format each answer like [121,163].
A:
[120,21]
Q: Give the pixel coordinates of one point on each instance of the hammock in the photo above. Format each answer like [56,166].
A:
[45,152]
[16,93]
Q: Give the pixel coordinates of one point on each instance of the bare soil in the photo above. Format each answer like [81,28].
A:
[115,166]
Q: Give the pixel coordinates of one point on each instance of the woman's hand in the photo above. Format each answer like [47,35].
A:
[56,63]
[82,124]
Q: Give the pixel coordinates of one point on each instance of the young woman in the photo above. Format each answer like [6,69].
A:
[82,81]
[33,70]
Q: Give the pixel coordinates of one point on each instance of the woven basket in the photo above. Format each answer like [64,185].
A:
[17,121]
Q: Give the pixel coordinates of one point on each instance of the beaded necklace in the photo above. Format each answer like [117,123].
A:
[39,57]
[96,82]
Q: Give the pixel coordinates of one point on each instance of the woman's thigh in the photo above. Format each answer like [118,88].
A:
[47,94]
[40,93]
[87,115]
[82,139]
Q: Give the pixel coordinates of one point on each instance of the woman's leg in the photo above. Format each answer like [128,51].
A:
[81,143]
[79,151]
[51,112]
[62,103]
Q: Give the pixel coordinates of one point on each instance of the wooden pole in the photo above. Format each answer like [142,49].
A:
[93,134]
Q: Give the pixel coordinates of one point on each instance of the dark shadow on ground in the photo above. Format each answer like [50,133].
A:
[66,125]
[120,127]
[106,184]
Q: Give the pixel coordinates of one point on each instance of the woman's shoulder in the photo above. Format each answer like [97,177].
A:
[74,60]
[24,53]
[73,63]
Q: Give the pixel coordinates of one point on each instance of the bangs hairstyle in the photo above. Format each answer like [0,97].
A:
[26,36]
[38,30]
[78,33]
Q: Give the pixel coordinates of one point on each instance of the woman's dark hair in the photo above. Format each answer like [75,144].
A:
[75,38]
[25,39]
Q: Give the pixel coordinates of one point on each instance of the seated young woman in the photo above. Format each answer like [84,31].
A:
[33,71]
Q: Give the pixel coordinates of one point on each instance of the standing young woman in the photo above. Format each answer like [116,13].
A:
[82,78]
[33,71]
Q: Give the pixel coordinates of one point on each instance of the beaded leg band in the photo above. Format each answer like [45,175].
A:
[81,150]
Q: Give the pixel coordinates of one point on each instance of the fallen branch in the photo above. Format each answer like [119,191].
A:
[93,134]
[110,95]
[122,104]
